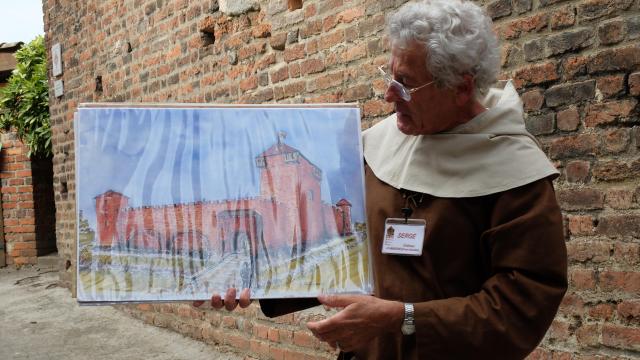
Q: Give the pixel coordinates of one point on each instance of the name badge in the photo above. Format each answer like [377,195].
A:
[403,237]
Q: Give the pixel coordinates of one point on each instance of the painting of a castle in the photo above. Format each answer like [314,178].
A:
[282,235]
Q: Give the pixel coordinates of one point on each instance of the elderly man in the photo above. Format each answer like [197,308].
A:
[455,161]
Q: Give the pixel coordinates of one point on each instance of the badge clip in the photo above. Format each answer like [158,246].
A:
[406,211]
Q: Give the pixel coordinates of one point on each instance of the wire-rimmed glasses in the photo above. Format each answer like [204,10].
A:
[400,88]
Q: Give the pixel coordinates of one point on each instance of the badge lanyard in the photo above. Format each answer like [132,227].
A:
[405,236]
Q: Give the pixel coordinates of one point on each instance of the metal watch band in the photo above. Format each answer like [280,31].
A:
[408,314]
[408,324]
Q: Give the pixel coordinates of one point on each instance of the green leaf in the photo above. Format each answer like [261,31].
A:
[24,102]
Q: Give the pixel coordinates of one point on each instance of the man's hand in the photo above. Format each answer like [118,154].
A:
[362,319]
[230,301]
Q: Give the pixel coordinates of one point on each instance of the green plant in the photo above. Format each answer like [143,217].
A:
[24,102]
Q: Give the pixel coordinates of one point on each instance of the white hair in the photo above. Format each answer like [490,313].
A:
[457,36]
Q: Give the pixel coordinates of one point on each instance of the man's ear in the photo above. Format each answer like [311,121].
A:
[466,91]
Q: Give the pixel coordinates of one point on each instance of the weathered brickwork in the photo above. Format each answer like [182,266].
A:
[27,203]
[576,63]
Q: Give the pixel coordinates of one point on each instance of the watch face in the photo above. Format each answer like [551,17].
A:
[408,329]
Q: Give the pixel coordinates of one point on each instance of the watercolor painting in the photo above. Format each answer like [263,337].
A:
[176,203]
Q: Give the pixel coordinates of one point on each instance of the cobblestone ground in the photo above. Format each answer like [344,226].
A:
[39,320]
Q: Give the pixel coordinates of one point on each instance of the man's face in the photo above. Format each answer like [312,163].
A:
[430,108]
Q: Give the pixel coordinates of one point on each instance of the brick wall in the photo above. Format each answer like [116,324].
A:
[28,212]
[576,64]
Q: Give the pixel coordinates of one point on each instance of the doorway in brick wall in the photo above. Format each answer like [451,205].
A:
[44,207]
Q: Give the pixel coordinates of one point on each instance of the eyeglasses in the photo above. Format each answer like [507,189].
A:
[400,88]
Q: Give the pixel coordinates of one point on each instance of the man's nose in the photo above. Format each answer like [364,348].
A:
[390,95]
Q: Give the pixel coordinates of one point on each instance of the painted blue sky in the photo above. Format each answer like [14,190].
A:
[166,156]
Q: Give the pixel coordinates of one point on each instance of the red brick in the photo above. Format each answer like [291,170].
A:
[278,41]
[610,86]
[529,24]
[574,66]
[276,352]
[357,92]
[229,322]
[620,281]
[577,171]
[334,38]
[329,6]
[612,170]
[621,59]
[562,18]
[310,11]
[609,112]
[634,84]
[629,309]
[588,335]
[354,53]
[617,140]
[273,334]
[285,336]
[329,22]
[532,100]
[261,31]
[572,305]
[259,347]
[237,341]
[20,261]
[616,226]
[626,253]
[570,93]
[580,225]
[311,66]
[294,52]
[568,120]
[621,337]
[619,198]
[351,14]
[27,221]
[311,27]
[602,311]
[611,32]
[327,80]
[377,108]
[304,339]
[248,84]
[248,51]
[574,146]
[588,251]
[536,74]
[294,89]
[559,330]
[293,355]
[23,245]
[279,74]
[580,199]
[583,279]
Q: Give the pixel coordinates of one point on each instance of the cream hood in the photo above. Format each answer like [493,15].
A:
[491,153]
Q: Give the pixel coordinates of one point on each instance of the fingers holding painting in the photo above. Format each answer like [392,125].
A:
[245,298]
[216,301]
[230,302]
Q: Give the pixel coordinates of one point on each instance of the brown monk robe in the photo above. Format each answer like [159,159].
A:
[489,281]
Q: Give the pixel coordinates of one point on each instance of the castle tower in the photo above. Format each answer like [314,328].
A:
[343,217]
[289,177]
[108,207]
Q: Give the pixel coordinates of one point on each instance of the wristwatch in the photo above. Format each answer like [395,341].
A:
[408,324]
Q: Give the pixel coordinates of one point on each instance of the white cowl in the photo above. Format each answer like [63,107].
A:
[491,153]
